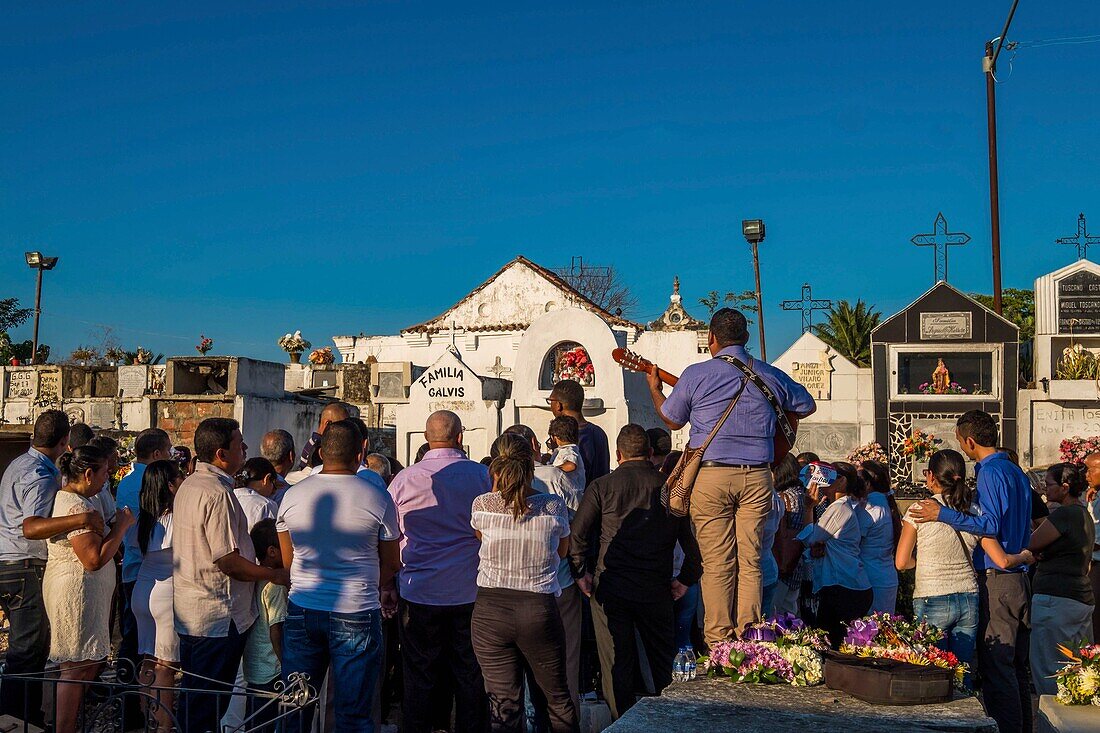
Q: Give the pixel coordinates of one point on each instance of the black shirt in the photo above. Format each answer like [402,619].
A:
[636,536]
[1063,567]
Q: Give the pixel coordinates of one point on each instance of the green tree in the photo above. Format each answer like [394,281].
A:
[1018,306]
[848,330]
[745,301]
[11,315]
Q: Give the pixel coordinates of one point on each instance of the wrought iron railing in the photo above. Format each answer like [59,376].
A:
[111,705]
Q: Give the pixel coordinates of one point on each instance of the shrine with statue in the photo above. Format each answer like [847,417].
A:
[941,356]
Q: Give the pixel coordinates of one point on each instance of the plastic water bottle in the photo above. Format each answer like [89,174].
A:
[679,667]
[689,668]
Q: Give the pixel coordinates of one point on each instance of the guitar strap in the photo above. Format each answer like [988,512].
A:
[781,420]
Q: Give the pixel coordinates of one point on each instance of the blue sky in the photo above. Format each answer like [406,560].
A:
[245,170]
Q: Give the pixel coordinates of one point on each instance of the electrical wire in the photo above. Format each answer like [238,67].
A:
[1066,41]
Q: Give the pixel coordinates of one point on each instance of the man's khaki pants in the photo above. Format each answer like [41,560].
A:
[729,507]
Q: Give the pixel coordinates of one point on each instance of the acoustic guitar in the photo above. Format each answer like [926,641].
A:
[630,361]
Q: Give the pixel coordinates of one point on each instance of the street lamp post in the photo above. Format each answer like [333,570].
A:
[36,261]
[753,229]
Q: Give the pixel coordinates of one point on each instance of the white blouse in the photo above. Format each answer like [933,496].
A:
[520,554]
[839,529]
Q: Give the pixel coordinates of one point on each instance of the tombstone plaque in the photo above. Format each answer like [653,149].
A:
[1079,303]
[815,376]
[132,381]
[21,384]
[949,326]
[49,388]
[101,414]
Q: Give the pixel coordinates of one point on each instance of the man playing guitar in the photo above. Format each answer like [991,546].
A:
[732,494]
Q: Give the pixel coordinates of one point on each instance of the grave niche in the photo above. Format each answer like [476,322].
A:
[943,355]
[1067,319]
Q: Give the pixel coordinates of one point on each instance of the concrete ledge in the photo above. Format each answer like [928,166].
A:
[718,704]
[1055,717]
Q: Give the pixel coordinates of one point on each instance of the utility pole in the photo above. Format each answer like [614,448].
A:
[37,261]
[989,66]
[753,230]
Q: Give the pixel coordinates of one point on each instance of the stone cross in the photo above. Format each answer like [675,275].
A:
[807,305]
[1081,240]
[941,239]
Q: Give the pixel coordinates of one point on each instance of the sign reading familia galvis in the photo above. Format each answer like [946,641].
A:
[435,381]
[946,326]
[1079,303]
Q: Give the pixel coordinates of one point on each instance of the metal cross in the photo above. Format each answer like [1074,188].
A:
[807,305]
[941,239]
[1081,240]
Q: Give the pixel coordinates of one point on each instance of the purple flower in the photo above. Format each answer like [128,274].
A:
[759,633]
[861,632]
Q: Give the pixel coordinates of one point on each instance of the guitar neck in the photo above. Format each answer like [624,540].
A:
[669,379]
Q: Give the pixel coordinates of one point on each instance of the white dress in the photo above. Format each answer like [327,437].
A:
[152,602]
[78,602]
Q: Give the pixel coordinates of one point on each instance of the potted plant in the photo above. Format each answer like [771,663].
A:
[919,447]
[114,355]
[83,354]
[294,344]
[205,345]
[1075,375]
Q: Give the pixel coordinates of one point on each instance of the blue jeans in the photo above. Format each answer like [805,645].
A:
[684,611]
[352,644]
[957,615]
[767,599]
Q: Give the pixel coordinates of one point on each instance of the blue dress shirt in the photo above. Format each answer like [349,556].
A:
[129,495]
[27,489]
[705,390]
[1004,498]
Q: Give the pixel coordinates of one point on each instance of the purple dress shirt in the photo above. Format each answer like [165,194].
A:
[705,390]
[439,550]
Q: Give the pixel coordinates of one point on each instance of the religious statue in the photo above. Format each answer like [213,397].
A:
[941,379]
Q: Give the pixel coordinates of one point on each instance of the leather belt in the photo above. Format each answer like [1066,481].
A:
[720,464]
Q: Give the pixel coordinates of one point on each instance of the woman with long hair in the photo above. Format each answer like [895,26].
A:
[79,582]
[840,580]
[1062,603]
[946,590]
[792,570]
[880,533]
[524,535]
[158,642]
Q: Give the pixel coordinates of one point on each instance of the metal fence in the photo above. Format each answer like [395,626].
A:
[113,704]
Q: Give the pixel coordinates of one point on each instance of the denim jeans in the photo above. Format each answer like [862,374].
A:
[685,610]
[352,644]
[28,638]
[957,615]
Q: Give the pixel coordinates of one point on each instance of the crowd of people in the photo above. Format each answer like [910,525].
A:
[487,594]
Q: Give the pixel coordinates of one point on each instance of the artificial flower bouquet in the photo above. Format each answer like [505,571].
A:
[780,650]
[205,345]
[1076,448]
[322,357]
[920,445]
[1079,680]
[888,636]
[575,364]
[869,452]
[952,388]
[293,343]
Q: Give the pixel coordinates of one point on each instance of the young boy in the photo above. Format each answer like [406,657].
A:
[566,455]
[264,647]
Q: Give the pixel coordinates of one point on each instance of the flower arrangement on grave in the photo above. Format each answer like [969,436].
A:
[575,364]
[115,354]
[779,650]
[920,445]
[205,345]
[322,357]
[1079,680]
[84,353]
[949,388]
[1077,362]
[125,460]
[870,452]
[888,636]
[142,356]
[293,343]
[1076,449]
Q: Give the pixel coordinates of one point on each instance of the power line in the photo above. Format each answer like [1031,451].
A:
[1066,41]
